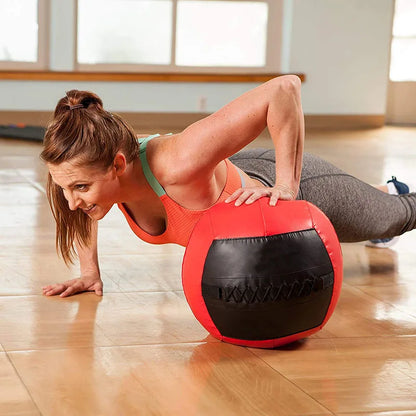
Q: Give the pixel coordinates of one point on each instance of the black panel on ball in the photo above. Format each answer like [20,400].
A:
[260,288]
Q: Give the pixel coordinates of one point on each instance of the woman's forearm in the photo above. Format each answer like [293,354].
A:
[285,122]
[88,256]
[90,280]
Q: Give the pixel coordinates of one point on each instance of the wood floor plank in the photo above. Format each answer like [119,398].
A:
[39,322]
[14,397]
[22,215]
[26,274]
[144,272]
[192,379]
[358,314]
[350,375]
[149,318]
[392,413]
[399,296]
[20,194]
[30,240]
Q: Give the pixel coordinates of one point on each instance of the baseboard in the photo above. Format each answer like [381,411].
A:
[149,122]
[344,122]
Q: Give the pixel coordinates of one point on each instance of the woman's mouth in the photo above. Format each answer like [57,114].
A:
[89,209]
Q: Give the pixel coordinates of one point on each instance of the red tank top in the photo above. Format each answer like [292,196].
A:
[180,221]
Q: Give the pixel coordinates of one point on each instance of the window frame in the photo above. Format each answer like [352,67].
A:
[273,50]
[43,44]
[393,37]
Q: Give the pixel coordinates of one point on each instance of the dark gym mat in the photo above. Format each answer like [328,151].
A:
[21,131]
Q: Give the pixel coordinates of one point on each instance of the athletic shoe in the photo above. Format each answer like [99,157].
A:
[395,188]
[398,188]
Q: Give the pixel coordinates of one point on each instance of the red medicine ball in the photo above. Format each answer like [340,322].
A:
[263,276]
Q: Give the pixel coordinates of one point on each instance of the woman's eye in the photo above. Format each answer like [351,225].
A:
[81,187]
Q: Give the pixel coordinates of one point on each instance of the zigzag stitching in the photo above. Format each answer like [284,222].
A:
[273,293]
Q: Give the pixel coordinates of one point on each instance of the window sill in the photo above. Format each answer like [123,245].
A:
[135,77]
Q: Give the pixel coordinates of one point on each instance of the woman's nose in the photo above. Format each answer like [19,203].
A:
[73,201]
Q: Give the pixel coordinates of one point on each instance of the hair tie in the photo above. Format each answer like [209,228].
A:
[73,107]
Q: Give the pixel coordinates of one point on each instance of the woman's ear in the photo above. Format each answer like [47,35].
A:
[120,164]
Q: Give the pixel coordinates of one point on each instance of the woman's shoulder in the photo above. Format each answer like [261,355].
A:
[163,157]
[171,164]
[181,176]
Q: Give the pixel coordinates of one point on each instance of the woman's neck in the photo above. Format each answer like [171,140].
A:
[134,187]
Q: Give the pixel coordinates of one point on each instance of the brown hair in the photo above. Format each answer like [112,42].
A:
[81,129]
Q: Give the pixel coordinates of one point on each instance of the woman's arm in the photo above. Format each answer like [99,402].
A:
[90,272]
[275,105]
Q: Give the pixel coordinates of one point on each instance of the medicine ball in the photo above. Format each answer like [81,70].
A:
[262,276]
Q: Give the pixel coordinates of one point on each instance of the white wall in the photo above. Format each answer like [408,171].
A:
[121,96]
[341,45]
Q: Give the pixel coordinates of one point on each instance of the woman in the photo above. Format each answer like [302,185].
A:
[163,184]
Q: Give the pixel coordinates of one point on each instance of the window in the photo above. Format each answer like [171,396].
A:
[210,33]
[178,35]
[142,36]
[124,31]
[403,48]
[23,39]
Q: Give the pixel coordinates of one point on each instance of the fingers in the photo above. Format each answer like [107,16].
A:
[71,287]
[274,198]
[71,290]
[63,289]
[98,288]
[53,290]
[277,194]
[252,194]
[234,196]
[248,195]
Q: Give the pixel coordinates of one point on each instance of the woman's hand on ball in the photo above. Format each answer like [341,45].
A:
[249,195]
[86,283]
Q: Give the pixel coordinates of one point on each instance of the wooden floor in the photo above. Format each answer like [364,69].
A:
[139,350]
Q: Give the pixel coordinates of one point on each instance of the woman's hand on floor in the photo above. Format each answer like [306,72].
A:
[87,283]
[248,195]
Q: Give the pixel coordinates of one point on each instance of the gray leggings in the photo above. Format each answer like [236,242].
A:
[357,210]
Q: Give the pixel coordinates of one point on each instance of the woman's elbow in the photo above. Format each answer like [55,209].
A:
[289,83]
[285,89]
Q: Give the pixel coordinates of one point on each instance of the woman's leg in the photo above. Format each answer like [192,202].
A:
[357,210]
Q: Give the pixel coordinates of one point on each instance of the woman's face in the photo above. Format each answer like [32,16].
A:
[91,189]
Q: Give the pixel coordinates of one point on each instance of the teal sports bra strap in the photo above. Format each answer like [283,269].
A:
[243,182]
[156,186]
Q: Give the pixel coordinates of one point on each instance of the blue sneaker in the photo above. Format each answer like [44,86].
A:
[401,187]
[395,188]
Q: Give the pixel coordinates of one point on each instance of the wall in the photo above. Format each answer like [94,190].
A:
[341,45]
[121,96]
